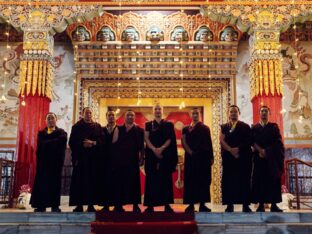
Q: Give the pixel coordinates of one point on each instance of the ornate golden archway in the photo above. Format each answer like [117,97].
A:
[218,90]
[168,69]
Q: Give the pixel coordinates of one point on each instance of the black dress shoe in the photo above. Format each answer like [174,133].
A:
[40,210]
[275,208]
[149,209]
[246,209]
[190,209]
[260,208]
[168,209]
[56,209]
[136,209]
[119,209]
[91,209]
[203,208]
[105,208]
[229,209]
[78,209]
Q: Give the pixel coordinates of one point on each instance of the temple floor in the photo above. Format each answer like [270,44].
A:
[25,221]
[22,221]
[177,208]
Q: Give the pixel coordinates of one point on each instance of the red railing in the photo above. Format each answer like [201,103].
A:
[299,179]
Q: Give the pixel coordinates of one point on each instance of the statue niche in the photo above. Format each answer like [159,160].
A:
[154,34]
[179,34]
[204,34]
[105,34]
[130,34]
[81,34]
[229,34]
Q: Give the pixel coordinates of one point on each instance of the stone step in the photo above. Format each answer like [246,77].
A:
[29,217]
[45,228]
[253,218]
[79,223]
[45,223]
[200,217]
[270,228]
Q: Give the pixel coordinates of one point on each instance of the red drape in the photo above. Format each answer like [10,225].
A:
[275,105]
[31,119]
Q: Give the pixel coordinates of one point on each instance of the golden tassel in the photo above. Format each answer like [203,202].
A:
[35,77]
[44,72]
[252,81]
[281,77]
[266,77]
[277,76]
[40,78]
[272,77]
[256,80]
[21,85]
[29,76]
[260,78]
[49,81]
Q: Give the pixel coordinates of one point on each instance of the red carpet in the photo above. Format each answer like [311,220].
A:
[154,223]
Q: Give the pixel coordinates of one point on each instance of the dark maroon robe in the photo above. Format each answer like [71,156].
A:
[83,188]
[158,181]
[236,173]
[125,170]
[197,167]
[105,177]
[267,172]
[50,153]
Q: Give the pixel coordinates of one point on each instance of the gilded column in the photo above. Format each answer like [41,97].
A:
[39,20]
[265,71]
[35,93]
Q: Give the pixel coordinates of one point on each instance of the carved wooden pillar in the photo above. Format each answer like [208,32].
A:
[35,93]
[265,70]
[39,20]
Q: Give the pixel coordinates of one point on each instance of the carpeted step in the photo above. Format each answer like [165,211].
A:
[172,227]
[143,217]
[142,223]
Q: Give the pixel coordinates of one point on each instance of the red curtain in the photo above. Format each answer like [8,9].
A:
[275,105]
[31,120]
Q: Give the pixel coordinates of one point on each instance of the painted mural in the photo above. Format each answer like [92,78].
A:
[62,103]
[297,101]
[9,70]
[242,83]
[63,90]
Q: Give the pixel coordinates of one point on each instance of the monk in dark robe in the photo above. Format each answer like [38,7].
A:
[86,142]
[268,162]
[50,159]
[235,139]
[198,159]
[105,170]
[160,162]
[127,157]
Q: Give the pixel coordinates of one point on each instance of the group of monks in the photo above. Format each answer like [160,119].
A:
[106,163]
